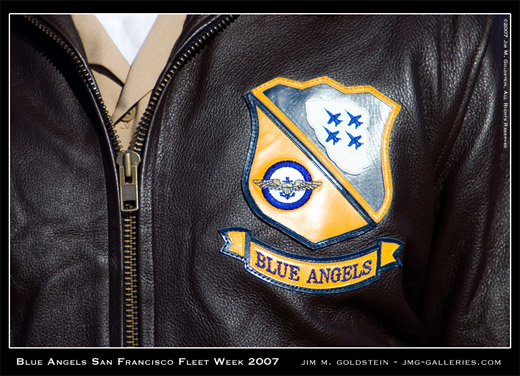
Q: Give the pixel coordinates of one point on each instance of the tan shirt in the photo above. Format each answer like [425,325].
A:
[125,88]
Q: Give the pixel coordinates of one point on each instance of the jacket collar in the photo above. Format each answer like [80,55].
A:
[64,26]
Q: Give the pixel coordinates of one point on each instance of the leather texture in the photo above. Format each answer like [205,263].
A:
[450,203]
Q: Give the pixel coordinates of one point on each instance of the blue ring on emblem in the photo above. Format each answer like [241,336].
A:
[287,205]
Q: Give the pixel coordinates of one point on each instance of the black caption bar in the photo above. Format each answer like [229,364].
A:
[148,361]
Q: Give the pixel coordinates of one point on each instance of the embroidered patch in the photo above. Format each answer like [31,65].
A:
[290,192]
[315,275]
[318,165]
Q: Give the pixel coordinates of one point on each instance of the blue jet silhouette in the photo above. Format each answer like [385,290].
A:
[332,136]
[354,120]
[354,141]
[333,118]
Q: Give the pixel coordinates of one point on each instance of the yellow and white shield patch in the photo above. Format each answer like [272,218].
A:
[318,166]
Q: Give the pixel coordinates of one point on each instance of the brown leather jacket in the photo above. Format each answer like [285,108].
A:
[240,239]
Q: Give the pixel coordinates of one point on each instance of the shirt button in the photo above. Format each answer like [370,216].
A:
[130,115]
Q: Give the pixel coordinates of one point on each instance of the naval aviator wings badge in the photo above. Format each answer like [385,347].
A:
[318,166]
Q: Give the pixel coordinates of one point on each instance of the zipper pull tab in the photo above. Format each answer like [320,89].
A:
[128,189]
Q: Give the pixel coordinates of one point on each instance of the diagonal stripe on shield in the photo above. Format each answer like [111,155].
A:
[318,165]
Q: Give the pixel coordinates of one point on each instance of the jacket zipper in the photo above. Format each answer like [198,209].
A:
[129,160]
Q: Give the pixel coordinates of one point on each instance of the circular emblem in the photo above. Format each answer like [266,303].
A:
[288,192]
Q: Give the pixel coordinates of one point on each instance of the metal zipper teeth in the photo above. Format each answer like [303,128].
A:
[130,317]
[130,304]
[131,313]
[130,265]
[87,78]
[200,40]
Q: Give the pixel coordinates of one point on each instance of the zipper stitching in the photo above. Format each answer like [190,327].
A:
[130,300]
